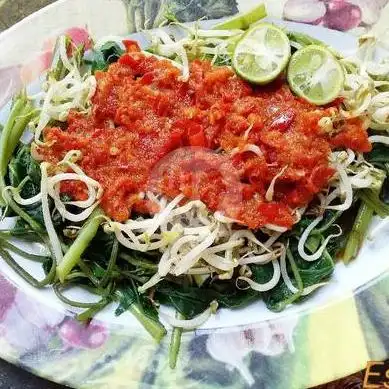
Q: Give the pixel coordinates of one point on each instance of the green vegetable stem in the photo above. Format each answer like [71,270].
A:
[21,114]
[302,40]
[85,236]
[175,343]
[4,254]
[371,204]
[153,327]
[141,308]
[358,232]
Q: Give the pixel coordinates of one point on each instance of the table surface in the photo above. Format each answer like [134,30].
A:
[12,377]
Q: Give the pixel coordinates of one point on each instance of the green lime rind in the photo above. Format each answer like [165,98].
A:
[262,54]
[316,75]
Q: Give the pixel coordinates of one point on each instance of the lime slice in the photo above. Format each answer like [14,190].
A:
[316,75]
[243,21]
[262,54]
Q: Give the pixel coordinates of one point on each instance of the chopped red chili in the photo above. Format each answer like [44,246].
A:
[144,118]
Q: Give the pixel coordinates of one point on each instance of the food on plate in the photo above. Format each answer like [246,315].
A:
[212,168]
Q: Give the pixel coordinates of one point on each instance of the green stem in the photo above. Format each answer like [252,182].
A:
[144,264]
[175,343]
[131,276]
[371,198]
[18,120]
[21,114]
[22,253]
[25,234]
[92,312]
[358,232]
[25,275]
[21,212]
[245,20]
[329,224]
[77,304]
[306,40]
[111,264]
[76,275]
[85,236]
[154,328]
[88,272]
[16,110]
[21,122]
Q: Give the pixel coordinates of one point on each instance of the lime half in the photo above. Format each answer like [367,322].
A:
[316,75]
[243,21]
[262,54]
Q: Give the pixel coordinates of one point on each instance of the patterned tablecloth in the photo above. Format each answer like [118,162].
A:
[358,17]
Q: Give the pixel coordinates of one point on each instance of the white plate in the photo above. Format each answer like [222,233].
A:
[346,279]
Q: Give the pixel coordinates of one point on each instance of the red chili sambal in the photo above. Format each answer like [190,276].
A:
[215,138]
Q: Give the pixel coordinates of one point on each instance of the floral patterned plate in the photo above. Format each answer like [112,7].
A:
[332,335]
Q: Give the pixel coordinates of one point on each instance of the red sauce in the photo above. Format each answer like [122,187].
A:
[151,131]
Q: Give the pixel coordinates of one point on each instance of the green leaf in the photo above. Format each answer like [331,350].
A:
[22,165]
[191,301]
[275,298]
[238,298]
[262,273]
[384,196]
[47,265]
[309,273]
[379,155]
[142,309]
[100,59]
[111,52]
[143,263]
[313,273]
[300,227]
[36,213]
[128,295]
